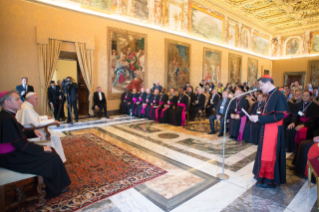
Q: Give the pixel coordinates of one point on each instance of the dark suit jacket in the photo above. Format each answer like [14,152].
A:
[215,100]
[217,107]
[201,100]
[20,89]
[53,94]
[73,92]
[97,101]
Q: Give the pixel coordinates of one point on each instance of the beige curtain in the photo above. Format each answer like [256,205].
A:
[85,58]
[48,58]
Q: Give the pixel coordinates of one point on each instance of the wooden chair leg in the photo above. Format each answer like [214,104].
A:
[2,198]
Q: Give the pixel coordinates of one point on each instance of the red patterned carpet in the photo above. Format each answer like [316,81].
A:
[98,169]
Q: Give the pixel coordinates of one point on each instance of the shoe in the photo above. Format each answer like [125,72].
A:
[265,185]
[212,132]
[191,120]
[107,117]
[64,190]
[220,135]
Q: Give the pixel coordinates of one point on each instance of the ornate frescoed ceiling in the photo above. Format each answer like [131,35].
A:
[278,17]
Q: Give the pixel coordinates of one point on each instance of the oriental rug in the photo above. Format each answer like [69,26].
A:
[98,169]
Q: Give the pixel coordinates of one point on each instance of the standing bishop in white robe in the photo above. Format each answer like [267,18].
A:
[27,116]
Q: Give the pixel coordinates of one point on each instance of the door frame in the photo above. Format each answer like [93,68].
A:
[303,77]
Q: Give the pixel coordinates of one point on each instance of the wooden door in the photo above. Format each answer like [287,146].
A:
[294,78]
[83,94]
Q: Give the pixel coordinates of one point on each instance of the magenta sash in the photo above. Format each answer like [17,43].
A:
[286,115]
[162,113]
[156,112]
[301,134]
[6,148]
[242,126]
[134,100]
[143,109]
[183,112]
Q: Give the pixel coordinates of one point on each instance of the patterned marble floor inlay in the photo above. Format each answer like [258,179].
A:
[170,190]
[198,127]
[231,147]
[269,199]
[144,127]
[168,135]
[192,159]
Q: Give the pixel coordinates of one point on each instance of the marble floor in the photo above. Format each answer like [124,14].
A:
[192,159]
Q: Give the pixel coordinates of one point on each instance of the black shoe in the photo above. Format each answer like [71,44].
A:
[211,132]
[64,190]
[191,120]
[107,117]
[220,135]
[265,185]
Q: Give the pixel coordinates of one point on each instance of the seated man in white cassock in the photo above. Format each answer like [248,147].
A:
[27,116]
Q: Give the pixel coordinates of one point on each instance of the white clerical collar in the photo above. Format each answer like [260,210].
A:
[29,104]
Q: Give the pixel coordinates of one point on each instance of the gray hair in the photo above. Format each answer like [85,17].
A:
[7,96]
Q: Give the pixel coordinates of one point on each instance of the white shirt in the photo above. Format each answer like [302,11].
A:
[27,116]
[100,95]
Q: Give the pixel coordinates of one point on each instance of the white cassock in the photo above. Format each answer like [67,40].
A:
[28,117]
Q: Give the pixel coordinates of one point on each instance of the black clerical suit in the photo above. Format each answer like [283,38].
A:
[61,102]
[100,101]
[53,96]
[30,158]
[213,100]
[220,108]
[125,98]
[251,131]
[177,116]
[287,118]
[171,103]
[235,124]
[201,98]
[309,111]
[73,98]
[131,104]
[159,105]
[27,89]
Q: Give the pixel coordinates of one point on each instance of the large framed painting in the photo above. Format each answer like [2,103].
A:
[177,63]
[314,42]
[252,71]
[313,70]
[127,61]
[292,46]
[261,44]
[205,24]
[234,68]
[212,65]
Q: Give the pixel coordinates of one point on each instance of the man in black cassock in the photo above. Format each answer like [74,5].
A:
[251,132]
[238,117]
[213,100]
[131,102]
[197,104]
[270,163]
[153,104]
[170,105]
[19,155]
[297,97]
[287,117]
[125,98]
[220,114]
[139,101]
[302,122]
[158,106]
[141,108]
[177,116]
